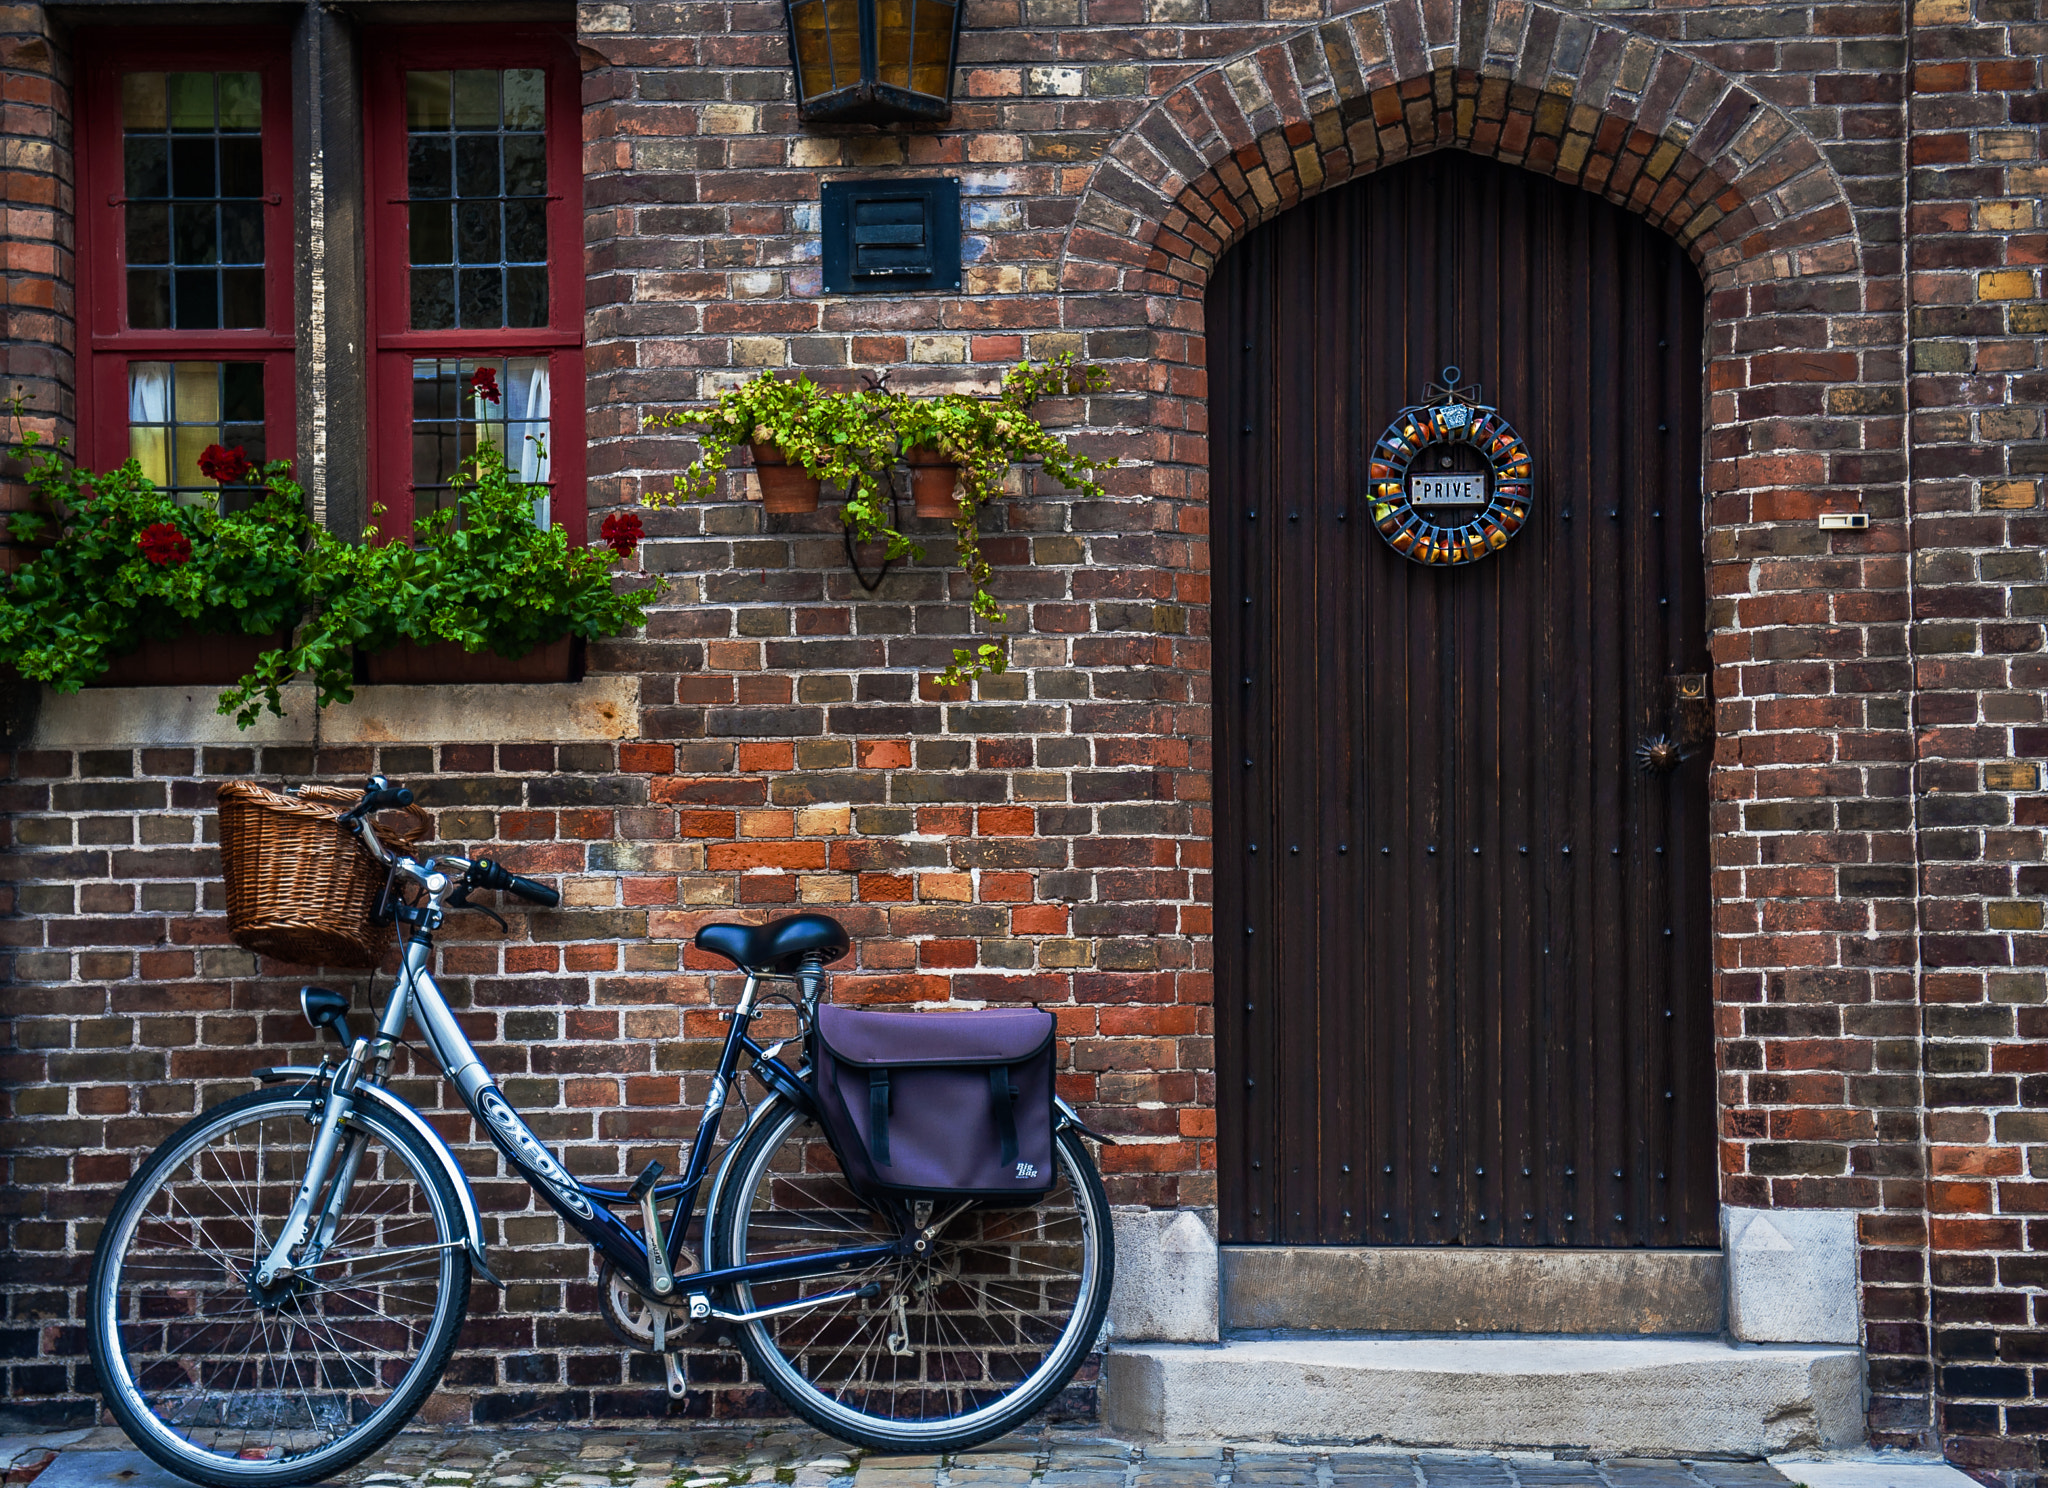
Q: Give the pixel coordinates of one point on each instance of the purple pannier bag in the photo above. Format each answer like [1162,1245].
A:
[932,1105]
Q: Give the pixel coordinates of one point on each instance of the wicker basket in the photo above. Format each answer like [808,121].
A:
[300,887]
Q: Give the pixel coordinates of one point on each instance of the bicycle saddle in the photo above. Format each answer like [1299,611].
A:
[778,946]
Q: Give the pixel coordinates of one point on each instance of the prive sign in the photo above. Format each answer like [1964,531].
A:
[1447,490]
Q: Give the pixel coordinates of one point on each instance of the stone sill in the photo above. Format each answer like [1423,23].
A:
[597,708]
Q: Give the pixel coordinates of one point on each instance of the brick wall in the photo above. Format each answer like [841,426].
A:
[1047,838]
[1978,241]
[35,235]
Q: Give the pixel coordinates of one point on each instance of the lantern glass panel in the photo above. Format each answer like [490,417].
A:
[827,45]
[933,55]
[893,21]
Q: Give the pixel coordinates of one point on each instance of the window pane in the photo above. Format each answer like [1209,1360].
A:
[149,233]
[148,163]
[192,173]
[241,233]
[433,299]
[195,300]
[142,102]
[241,167]
[241,101]
[476,177]
[476,100]
[426,100]
[483,297]
[177,409]
[526,296]
[241,299]
[432,239]
[149,299]
[191,95]
[451,416]
[524,99]
[193,170]
[195,233]
[476,233]
[526,232]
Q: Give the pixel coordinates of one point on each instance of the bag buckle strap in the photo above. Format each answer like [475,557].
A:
[1003,1095]
[878,1116]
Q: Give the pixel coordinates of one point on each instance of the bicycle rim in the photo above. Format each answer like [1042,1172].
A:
[225,1383]
[955,1348]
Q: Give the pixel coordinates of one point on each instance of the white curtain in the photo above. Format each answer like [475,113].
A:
[149,417]
[526,427]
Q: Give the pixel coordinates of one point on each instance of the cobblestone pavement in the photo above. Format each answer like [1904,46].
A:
[1050,1458]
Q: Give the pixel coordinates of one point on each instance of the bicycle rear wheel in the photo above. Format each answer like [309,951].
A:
[234,1387]
[957,1347]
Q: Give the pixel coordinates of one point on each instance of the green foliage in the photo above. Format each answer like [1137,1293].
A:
[127,562]
[96,593]
[491,580]
[851,440]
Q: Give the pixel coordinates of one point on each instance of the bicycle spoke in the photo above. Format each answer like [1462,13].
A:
[240,1376]
[995,1316]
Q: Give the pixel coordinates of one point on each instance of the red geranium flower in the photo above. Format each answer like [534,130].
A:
[164,545]
[228,466]
[484,382]
[622,532]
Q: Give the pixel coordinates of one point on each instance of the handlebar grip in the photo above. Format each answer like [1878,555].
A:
[536,893]
[491,875]
[378,797]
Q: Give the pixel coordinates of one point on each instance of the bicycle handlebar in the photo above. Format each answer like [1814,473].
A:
[379,794]
[486,874]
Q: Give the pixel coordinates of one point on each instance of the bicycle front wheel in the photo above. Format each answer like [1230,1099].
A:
[235,1386]
[956,1347]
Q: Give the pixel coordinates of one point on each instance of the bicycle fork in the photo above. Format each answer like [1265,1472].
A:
[330,1141]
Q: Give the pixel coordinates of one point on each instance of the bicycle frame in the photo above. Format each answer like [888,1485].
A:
[587,1209]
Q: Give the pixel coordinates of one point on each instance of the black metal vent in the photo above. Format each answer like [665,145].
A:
[892,235]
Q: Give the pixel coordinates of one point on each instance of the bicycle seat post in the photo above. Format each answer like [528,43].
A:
[810,978]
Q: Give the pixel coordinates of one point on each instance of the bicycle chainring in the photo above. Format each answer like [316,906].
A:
[630,1314]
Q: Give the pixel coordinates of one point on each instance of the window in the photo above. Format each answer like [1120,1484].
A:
[185,235]
[475,263]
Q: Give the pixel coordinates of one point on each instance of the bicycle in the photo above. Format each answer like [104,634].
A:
[280,1285]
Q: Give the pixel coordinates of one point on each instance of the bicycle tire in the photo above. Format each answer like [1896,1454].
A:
[955,1334]
[169,1265]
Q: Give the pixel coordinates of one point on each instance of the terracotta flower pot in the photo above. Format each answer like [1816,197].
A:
[784,487]
[934,484]
[445,663]
[189,661]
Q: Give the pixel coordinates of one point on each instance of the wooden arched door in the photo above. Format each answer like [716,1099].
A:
[1463,946]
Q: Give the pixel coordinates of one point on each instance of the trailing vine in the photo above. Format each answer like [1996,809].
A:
[853,440]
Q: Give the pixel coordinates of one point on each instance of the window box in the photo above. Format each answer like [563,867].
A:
[189,660]
[445,663]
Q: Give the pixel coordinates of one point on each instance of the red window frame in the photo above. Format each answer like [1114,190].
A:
[107,343]
[390,52]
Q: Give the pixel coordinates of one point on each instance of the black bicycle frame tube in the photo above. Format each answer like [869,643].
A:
[585,1208]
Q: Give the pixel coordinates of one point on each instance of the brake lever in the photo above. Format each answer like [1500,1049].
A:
[460,900]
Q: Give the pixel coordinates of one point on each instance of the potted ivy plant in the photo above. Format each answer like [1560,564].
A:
[480,593]
[799,434]
[131,587]
[959,447]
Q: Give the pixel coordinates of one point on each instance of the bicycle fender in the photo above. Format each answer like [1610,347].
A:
[313,1078]
[1068,1116]
[723,1171]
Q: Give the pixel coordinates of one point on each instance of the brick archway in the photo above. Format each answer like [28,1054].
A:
[1805,414]
[1742,187]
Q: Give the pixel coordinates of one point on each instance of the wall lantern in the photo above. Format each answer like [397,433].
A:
[874,61]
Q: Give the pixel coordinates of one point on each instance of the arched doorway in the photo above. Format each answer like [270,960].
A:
[1463,948]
